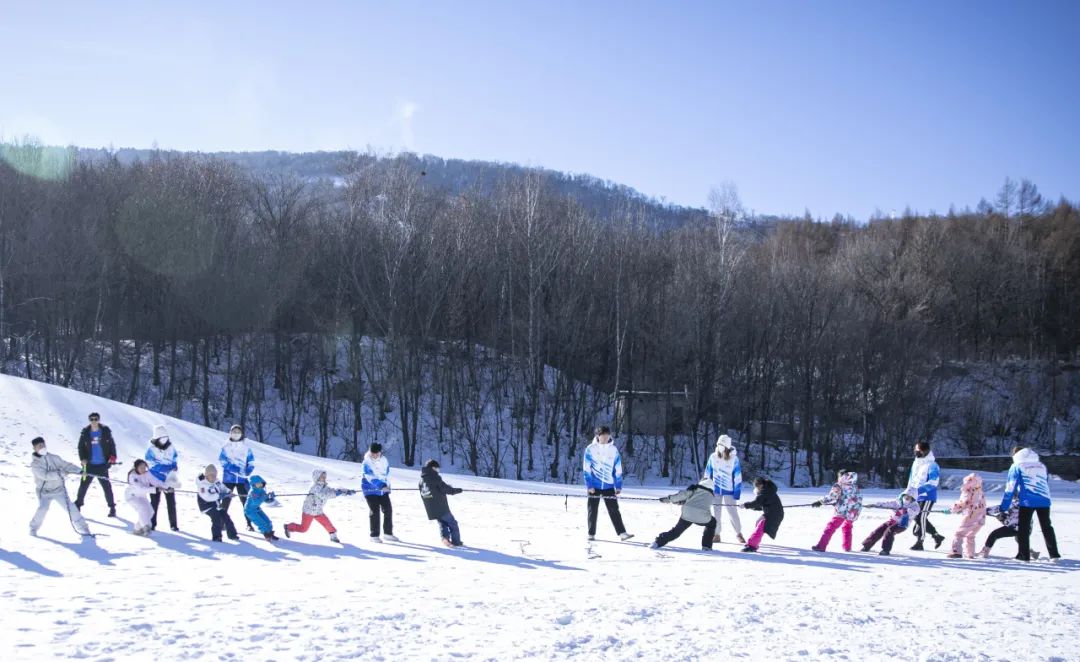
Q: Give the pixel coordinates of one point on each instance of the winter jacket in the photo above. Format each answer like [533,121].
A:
[319,494]
[1028,478]
[49,471]
[257,497]
[845,497]
[904,511]
[924,477]
[696,502]
[162,459]
[210,494]
[768,501]
[1011,517]
[108,445]
[972,502]
[376,475]
[726,474]
[237,462]
[433,491]
[141,486]
[602,466]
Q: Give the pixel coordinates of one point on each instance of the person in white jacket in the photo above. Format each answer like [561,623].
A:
[161,456]
[141,484]
[725,471]
[602,471]
[49,472]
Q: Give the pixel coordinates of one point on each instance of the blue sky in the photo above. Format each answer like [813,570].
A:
[828,106]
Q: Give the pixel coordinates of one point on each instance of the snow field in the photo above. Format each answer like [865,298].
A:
[524,589]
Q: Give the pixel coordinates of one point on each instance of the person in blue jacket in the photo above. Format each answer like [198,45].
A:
[1028,479]
[602,468]
[924,478]
[257,496]
[161,457]
[375,483]
[237,463]
[724,469]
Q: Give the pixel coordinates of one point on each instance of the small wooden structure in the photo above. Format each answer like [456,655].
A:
[651,412]
[775,432]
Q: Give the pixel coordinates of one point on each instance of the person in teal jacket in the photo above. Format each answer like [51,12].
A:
[253,508]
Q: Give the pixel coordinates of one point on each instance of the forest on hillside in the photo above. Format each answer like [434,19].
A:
[155,268]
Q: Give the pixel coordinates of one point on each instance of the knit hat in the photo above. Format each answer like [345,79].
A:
[210,469]
[37,441]
[159,432]
[723,441]
[431,464]
[375,447]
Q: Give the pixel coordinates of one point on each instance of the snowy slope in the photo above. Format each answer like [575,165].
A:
[525,589]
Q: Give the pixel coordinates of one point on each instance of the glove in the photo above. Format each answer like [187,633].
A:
[270,496]
[663,500]
[816,504]
[112,460]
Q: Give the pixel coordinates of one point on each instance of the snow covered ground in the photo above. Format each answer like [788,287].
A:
[526,587]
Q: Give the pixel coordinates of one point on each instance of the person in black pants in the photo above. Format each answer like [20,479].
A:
[213,501]
[97,452]
[602,469]
[375,484]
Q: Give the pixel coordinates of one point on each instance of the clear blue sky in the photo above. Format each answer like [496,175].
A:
[833,106]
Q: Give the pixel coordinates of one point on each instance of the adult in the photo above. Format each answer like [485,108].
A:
[237,464]
[1027,478]
[97,452]
[725,470]
[49,472]
[375,483]
[924,477]
[161,458]
[602,468]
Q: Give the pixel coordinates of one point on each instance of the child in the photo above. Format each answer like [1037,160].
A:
[49,471]
[142,483]
[696,501]
[433,491]
[726,473]
[768,501]
[253,508]
[214,503]
[314,504]
[845,498]
[906,510]
[1010,526]
[972,504]
[376,486]
[161,455]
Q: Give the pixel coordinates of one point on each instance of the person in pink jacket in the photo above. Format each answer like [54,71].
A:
[847,503]
[972,505]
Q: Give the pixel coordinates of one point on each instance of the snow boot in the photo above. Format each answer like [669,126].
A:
[818,548]
[334,538]
[654,545]
[865,548]
[716,539]
[917,547]
[390,537]
[625,536]
[175,529]
[376,539]
[590,537]
[706,549]
[984,552]
[1034,555]
[251,527]
[739,537]
[884,552]
[748,548]
[112,511]
[938,539]
[953,555]
[446,541]
[269,535]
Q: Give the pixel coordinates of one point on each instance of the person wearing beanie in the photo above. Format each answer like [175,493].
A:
[49,472]
[375,485]
[213,500]
[237,464]
[97,453]
[602,470]
[724,469]
[161,456]
[433,492]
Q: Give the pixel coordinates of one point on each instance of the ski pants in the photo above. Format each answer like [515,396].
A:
[726,502]
[922,522]
[305,524]
[965,537]
[448,528]
[143,511]
[888,531]
[754,541]
[681,526]
[612,505]
[101,472]
[219,519]
[259,519]
[61,498]
[242,490]
[842,523]
[170,504]
[1023,537]
[376,505]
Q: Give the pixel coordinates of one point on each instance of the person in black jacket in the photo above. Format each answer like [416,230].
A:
[767,501]
[433,491]
[97,452]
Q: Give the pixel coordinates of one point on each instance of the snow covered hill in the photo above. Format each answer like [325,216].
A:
[527,586]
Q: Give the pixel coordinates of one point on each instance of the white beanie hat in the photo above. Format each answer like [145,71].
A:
[159,432]
[723,442]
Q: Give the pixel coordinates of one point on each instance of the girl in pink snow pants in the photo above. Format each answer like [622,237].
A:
[847,502]
[972,505]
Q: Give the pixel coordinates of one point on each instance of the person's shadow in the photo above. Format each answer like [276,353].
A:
[491,556]
[88,549]
[24,562]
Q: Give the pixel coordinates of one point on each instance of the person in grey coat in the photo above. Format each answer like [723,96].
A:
[49,472]
[696,503]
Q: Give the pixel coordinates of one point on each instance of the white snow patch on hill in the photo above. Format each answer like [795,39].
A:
[524,589]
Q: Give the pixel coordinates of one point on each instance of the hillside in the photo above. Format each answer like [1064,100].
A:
[179,596]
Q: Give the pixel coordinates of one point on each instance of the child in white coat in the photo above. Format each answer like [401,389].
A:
[141,484]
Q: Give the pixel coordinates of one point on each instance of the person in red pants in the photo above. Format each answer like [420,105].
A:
[314,504]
